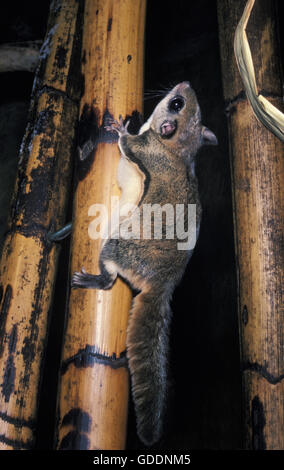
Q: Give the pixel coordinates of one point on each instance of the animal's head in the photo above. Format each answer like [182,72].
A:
[177,121]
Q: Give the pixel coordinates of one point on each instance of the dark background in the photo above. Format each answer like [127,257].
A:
[205,387]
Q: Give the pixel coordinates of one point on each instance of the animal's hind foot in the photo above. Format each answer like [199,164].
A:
[91,281]
[84,279]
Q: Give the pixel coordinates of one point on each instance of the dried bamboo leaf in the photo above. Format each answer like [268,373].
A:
[265,111]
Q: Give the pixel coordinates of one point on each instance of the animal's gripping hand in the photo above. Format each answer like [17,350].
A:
[119,127]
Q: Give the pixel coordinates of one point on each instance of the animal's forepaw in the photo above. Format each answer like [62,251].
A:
[119,127]
[111,124]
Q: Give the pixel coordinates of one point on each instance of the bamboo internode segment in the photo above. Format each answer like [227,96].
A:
[93,398]
[257,166]
[28,264]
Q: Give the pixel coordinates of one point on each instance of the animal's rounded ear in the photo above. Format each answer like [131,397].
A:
[208,137]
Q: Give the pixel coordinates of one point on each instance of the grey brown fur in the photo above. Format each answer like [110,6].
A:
[162,154]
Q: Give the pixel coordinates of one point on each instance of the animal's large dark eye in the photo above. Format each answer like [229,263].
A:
[176,104]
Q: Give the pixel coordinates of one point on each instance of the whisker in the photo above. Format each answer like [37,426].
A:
[162,91]
[153,97]
[154,92]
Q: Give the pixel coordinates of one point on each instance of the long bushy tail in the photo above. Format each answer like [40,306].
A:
[147,346]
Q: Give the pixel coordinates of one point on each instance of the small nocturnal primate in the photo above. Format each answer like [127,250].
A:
[156,167]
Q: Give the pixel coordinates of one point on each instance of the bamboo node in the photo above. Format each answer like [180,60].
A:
[88,356]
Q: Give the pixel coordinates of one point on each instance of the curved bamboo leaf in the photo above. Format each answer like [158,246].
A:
[268,114]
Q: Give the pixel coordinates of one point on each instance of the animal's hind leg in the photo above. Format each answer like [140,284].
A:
[103,281]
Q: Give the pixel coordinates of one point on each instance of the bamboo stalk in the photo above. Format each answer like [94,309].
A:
[28,264]
[93,397]
[257,177]
[19,56]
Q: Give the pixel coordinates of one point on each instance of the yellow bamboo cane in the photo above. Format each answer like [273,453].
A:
[28,264]
[257,166]
[93,397]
